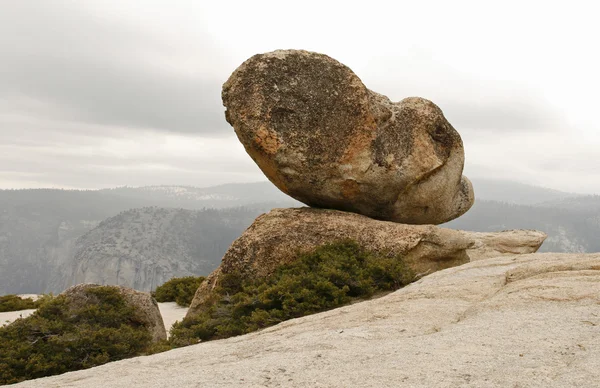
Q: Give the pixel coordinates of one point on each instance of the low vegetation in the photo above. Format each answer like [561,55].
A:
[179,290]
[16,303]
[331,276]
[59,337]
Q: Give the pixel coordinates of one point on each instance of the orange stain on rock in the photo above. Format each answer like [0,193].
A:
[267,140]
[350,189]
[265,147]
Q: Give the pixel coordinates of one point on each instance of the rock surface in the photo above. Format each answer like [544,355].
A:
[515,321]
[508,242]
[10,316]
[144,304]
[325,139]
[277,237]
[171,312]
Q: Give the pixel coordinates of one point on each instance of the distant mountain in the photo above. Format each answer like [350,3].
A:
[228,195]
[143,248]
[571,220]
[515,192]
[40,228]
[579,203]
[236,194]
[572,228]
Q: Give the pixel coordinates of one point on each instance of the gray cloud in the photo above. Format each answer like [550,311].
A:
[470,104]
[136,158]
[103,72]
[507,115]
[120,96]
[93,97]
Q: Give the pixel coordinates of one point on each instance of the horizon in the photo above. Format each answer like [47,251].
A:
[498,181]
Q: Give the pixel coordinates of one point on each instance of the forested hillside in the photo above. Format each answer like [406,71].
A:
[143,248]
[41,230]
[571,228]
[39,227]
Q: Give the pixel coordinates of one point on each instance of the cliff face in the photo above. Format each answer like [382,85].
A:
[39,227]
[36,250]
[143,248]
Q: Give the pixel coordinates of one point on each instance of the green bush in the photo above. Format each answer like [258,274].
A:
[16,303]
[59,337]
[179,290]
[331,276]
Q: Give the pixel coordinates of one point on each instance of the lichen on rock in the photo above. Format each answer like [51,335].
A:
[322,137]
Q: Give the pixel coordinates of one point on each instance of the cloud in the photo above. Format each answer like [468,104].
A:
[136,158]
[103,71]
[104,93]
[90,99]
[556,160]
[470,103]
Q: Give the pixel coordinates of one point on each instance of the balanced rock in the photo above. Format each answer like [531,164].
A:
[507,242]
[278,237]
[146,308]
[325,139]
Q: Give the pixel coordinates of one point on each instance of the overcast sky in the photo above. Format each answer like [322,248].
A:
[109,93]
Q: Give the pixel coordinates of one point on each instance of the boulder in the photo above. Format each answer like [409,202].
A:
[523,321]
[322,137]
[279,236]
[508,242]
[145,306]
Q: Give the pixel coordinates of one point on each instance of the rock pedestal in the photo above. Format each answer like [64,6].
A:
[280,236]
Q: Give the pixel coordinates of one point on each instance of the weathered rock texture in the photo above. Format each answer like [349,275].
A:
[278,237]
[508,242]
[515,321]
[145,306]
[325,139]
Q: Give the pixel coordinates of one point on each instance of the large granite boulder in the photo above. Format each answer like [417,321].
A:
[278,237]
[145,306]
[325,139]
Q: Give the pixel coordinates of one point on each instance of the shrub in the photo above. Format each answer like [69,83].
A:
[331,276]
[179,290]
[59,337]
[16,303]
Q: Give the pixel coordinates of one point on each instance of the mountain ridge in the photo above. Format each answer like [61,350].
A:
[143,248]
[39,228]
